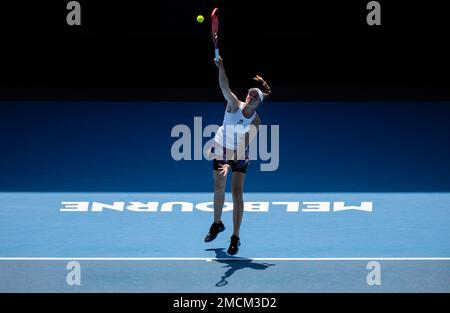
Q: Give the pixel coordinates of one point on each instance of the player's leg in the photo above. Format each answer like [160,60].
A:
[220,182]
[237,189]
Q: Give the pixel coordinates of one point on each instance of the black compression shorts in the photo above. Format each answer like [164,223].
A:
[236,166]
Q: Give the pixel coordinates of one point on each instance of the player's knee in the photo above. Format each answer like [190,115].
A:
[219,187]
[237,192]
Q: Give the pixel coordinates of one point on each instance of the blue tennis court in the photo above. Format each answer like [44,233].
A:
[94,183]
[161,249]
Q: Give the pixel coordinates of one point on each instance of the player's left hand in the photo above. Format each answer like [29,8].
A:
[223,169]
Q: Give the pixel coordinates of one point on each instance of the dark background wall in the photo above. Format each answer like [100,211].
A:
[385,123]
[125,146]
[307,50]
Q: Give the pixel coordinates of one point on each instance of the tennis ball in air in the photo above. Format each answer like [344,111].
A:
[200,18]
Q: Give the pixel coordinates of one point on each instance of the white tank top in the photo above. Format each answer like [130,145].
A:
[234,127]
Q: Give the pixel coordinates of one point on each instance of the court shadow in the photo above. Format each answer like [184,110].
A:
[233,264]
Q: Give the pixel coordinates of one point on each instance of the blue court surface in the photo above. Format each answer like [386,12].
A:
[313,242]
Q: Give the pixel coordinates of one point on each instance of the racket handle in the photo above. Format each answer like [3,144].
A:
[217,54]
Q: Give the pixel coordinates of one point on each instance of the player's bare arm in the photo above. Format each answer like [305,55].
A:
[232,100]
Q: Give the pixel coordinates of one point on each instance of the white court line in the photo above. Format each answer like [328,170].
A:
[221,259]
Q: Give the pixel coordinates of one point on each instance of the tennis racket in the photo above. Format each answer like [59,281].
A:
[215,31]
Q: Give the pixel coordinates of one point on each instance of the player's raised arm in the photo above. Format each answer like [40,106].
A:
[232,100]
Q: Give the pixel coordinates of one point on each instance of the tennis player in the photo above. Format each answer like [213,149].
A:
[230,152]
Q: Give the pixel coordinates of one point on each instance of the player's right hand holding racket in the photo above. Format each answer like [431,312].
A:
[218,62]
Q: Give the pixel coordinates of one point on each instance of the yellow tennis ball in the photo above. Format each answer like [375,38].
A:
[200,18]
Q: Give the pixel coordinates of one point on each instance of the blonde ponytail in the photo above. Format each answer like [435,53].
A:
[267,92]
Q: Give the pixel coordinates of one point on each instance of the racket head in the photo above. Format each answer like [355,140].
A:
[215,26]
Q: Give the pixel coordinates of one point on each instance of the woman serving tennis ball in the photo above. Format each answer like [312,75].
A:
[230,152]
